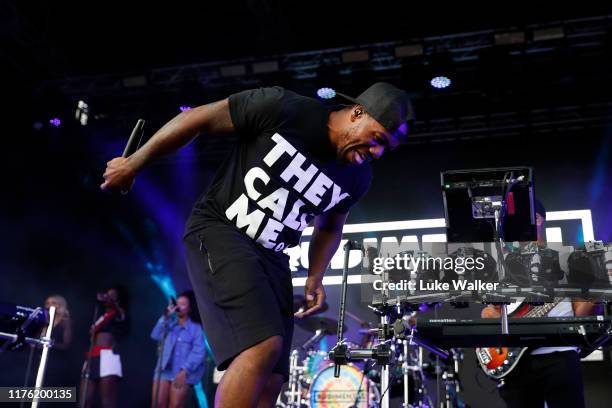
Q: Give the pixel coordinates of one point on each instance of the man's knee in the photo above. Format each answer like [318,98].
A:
[268,350]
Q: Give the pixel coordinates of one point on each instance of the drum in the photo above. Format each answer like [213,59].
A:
[351,389]
[317,360]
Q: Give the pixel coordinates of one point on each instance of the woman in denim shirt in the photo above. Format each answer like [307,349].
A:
[182,359]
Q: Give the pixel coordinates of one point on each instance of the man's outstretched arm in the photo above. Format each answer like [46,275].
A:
[211,118]
[323,245]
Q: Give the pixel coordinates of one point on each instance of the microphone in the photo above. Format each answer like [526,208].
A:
[133,144]
[172,304]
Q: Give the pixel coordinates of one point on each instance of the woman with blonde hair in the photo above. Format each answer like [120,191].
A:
[57,374]
[61,308]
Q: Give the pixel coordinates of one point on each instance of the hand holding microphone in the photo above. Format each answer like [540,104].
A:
[170,310]
[172,307]
[119,174]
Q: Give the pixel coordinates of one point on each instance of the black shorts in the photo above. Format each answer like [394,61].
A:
[243,290]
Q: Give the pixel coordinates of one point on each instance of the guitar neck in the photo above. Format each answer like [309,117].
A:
[540,311]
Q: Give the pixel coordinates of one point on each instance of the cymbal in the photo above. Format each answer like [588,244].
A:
[368,331]
[299,302]
[314,323]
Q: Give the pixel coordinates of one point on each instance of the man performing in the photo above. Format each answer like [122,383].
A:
[548,375]
[296,160]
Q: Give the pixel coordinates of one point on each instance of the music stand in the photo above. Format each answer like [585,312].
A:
[472,198]
[490,205]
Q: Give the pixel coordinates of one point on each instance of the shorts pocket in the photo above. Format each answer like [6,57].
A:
[205,253]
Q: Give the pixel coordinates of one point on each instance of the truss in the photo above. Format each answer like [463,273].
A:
[589,33]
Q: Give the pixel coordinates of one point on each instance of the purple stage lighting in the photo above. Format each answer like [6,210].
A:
[185,108]
[55,122]
[326,93]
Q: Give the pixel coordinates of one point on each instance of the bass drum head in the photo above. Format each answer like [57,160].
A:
[351,389]
[316,361]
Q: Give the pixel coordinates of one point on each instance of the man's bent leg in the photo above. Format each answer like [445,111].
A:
[248,374]
[270,393]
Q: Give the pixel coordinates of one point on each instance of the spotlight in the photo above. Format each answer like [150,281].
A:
[184,108]
[326,93]
[441,82]
[55,122]
[82,113]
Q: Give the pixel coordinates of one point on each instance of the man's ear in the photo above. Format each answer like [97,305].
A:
[356,112]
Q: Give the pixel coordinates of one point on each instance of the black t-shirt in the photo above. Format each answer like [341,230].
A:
[282,172]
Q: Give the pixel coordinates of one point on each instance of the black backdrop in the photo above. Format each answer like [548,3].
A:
[60,234]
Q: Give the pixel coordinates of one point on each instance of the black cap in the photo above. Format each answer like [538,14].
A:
[389,105]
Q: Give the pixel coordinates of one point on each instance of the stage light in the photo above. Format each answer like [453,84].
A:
[82,113]
[233,70]
[326,93]
[440,82]
[510,38]
[265,67]
[184,108]
[408,50]
[551,33]
[55,122]
[349,57]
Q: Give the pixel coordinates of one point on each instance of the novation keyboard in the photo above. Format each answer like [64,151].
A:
[585,332]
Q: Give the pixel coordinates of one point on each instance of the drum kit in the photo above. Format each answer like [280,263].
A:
[363,381]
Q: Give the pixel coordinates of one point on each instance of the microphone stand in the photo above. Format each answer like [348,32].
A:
[501,270]
[46,342]
[160,355]
[340,352]
[26,381]
[86,372]
[40,375]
